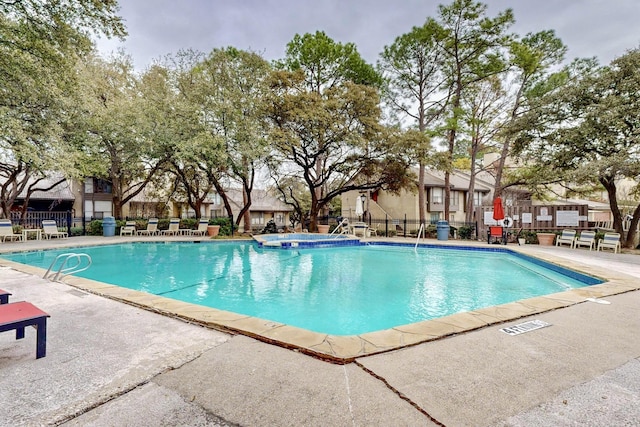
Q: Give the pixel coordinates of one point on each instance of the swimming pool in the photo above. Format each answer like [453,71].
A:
[338,291]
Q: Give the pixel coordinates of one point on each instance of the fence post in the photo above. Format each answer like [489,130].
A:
[69,223]
[404,227]
[386,225]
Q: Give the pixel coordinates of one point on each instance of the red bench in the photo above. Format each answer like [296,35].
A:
[4,296]
[19,315]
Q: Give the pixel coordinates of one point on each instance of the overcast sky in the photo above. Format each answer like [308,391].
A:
[601,28]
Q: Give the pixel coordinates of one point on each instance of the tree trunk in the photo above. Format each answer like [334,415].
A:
[421,196]
[610,185]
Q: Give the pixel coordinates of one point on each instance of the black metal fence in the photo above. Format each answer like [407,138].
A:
[33,219]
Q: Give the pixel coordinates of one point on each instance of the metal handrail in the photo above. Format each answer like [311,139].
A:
[62,271]
[344,222]
[420,232]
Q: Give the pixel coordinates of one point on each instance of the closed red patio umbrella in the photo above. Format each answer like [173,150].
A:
[498,211]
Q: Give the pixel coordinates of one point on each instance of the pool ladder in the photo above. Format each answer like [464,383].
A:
[420,233]
[65,269]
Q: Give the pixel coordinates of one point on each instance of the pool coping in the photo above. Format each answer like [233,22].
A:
[345,349]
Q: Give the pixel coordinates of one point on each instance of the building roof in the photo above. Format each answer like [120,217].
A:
[60,192]
[261,201]
[459,181]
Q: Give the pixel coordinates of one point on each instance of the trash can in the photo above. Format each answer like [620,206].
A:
[442,228]
[108,226]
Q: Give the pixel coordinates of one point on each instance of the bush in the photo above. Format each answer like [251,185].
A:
[530,237]
[94,228]
[225,225]
[466,231]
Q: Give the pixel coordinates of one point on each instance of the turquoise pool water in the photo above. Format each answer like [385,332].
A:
[340,291]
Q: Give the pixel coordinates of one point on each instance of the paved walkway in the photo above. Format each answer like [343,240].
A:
[113,364]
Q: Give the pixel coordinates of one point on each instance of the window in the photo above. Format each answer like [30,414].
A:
[435,217]
[437,196]
[101,186]
[477,198]
[455,198]
[257,218]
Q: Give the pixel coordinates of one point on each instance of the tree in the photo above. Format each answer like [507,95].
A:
[532,60]
[233,91]
[483,104]
[41,43]
[325,116]
[472,44]
[589,131]
[120,139]
[412,70]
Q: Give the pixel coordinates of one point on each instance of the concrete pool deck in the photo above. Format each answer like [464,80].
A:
[110,363]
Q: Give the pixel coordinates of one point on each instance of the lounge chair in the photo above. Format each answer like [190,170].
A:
[568,237]
[152,228]
[496,233]
[610,241]
[202,228]
[129,229]
[174,228]
[6,231]
[586,238]
[50,229]
[18,315]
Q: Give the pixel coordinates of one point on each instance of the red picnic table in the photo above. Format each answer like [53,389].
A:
[19,315]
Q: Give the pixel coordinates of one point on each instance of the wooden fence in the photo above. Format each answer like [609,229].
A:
[537,218]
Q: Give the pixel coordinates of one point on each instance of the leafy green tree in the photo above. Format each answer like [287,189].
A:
[483,104]
[120,140]
[232,96]
[588,131]
[181,143]
[325,116]
[40,44]
[412,69]
[472,45]
[534,60]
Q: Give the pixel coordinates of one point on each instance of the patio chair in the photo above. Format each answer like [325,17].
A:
[50,229]
[568,237]
[174,228]
[610,241]
[497,234]
[6,231]
[202,228]
[129,229]
[152,228]
[586,238]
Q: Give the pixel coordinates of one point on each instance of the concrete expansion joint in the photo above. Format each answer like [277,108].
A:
[400,394]
[99,403]
[122,392]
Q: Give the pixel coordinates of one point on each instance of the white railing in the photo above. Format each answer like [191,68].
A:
[344,223]
[65,269]
[420,233]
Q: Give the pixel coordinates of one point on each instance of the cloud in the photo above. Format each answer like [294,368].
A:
[604,29]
